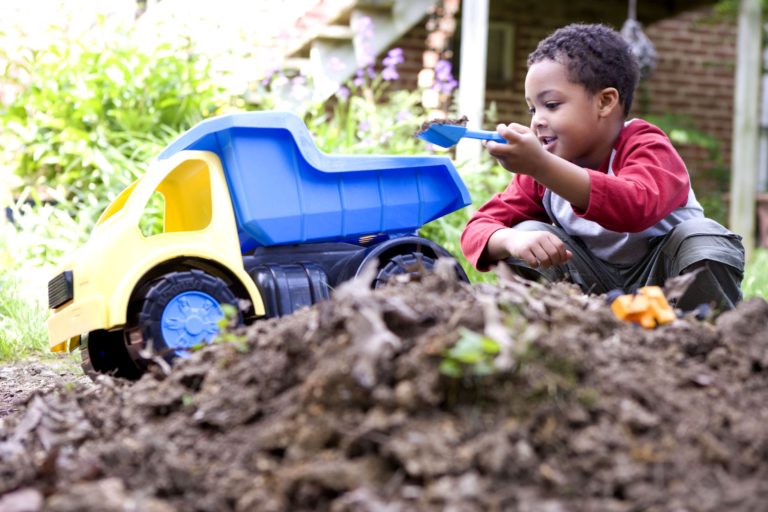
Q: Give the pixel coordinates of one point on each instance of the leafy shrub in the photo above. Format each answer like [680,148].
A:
[485,181]
[88,116]
[22,320]
[755,282]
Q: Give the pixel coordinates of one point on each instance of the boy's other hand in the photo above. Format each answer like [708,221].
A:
[522,153]
[536,248]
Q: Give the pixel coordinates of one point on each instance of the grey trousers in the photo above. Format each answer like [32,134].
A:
[694,244]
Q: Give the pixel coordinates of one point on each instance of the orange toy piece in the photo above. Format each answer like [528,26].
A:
[647,307]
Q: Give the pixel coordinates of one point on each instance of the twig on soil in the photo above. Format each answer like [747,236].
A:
[373,341]
[497,331]
[370,335]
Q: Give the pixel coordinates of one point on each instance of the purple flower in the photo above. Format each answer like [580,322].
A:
[363,27]
[389,73]
[403,115]
[270,76]
[390,62]
[443,71]
[393,58]
[445,83]
[359,78]
[448,87]
[342,93]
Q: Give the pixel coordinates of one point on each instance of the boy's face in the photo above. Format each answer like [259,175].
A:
[564,116]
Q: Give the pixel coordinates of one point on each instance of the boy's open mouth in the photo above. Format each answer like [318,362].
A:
[547,141]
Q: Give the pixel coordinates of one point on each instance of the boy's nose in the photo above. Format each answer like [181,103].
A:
[537,121]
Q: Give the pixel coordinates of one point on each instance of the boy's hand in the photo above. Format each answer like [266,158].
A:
[522,153]
[537,248]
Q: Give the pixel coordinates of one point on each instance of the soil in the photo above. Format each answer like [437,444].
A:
[343,406]
[462,121]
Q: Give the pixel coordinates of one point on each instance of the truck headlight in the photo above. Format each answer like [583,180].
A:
[60,289]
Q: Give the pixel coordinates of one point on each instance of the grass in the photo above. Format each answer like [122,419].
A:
[755,282]
[22,321]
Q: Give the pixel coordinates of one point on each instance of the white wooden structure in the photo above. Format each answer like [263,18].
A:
[744,161]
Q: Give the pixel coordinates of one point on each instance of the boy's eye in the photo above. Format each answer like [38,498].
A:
[551,105]
[531,110]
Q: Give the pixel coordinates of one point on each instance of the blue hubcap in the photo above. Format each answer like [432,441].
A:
[189,319]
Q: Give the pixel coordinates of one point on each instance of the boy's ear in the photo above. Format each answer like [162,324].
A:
[608,101]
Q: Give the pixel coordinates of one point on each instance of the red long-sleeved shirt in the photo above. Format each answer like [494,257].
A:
[642,190]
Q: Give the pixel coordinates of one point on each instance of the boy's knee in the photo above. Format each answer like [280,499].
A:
[699,240]
[697,227]
[715,283]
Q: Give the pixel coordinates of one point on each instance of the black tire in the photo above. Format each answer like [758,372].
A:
[414,263]
[168,289]
[104,352]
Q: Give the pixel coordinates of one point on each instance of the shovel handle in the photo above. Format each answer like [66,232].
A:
[484,135]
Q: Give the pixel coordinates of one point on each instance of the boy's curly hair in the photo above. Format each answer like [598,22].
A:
[596,57]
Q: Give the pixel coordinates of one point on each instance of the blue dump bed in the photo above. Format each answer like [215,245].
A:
[285,191]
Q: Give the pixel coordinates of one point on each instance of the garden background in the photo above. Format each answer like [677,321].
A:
[90,95]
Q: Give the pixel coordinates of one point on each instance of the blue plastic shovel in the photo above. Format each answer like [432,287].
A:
[447,135]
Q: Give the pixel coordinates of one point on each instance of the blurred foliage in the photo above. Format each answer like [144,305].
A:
[22,321]
[682,131]
[729,9]
[87,117]
[487,179]
[755,282]
[86,120]
[363,117]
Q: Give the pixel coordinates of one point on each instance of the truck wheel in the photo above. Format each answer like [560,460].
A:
[181,310]
[413,263]
[104,352]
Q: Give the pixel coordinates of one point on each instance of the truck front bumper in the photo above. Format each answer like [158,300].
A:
[67,323]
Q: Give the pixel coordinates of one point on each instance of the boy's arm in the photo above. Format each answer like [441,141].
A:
[520,201]
[523,153]
[649,181]
[537,248]
[649,178]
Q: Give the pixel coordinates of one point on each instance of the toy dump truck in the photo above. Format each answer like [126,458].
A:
[253,215]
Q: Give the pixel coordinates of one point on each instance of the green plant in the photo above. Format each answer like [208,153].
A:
[473,354]
[363,117]
[22,321]
[87,118]
[85,110]
[42,232]
[755,282]
[488,179]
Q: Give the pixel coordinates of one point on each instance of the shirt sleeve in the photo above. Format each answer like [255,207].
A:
[649,181]
[520,201]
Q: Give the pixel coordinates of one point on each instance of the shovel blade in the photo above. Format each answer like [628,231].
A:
[443,135]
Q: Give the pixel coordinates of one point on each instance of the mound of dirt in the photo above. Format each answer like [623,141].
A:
[420,396]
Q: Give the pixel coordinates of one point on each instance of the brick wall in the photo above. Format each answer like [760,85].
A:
[693,79]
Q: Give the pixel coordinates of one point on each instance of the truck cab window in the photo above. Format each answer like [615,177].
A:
[181,202]
[153,216]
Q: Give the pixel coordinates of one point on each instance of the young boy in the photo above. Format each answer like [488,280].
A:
[597,200]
